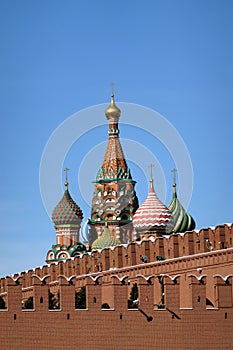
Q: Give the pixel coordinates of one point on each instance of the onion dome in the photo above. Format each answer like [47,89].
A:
[112,112]
[183,221]
[106,240]
[67,211]
[153,215]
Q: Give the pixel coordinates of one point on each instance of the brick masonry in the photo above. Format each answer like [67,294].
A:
[195,310]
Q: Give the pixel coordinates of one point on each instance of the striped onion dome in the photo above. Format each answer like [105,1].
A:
[67,211]
[183,221]
[153,215]
[106,240]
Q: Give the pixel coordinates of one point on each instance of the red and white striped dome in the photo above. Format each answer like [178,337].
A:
[153,215]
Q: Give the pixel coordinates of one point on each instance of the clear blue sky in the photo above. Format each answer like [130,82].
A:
[58,57]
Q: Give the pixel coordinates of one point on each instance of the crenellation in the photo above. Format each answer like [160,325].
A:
[131,254]
[204,239]
[174,246]
[14,295]
[171,292]
[159,248]
[154,290]
[93,294]
[118,253]
[188,243]
[85,264]
[69,268]
[40,296]
[38,271]
[61,268]
[203,276]
[28,280]
[53,271]
[105,258]
[220,237]
[45,270]
[145,293]
[223,291]
[95,261]
[120,293]
[77,268]
[67,294]
[197,291]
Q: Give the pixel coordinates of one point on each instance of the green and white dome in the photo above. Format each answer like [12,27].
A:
[183,220]
[106,240]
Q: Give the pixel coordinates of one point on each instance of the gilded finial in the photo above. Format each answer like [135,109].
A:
[66,183]
[112,112]
[151,175]
[174,171]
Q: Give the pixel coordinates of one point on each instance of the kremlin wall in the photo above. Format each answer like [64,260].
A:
[143,279]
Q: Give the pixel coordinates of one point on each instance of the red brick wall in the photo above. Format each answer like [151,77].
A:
[94,328]
[186,322]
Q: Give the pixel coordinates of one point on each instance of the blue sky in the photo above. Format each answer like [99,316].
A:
[58,57]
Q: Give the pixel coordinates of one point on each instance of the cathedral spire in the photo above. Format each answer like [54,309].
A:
[114,199]
[114,164]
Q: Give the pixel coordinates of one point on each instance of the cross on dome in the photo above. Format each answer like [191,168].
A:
[66,183]
[112,112]
[174,171]
[151,166]
[112,87]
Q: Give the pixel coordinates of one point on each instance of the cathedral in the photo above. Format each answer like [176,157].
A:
[116,217]
[143,278]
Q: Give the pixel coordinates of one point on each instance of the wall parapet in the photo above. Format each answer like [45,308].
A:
[148,253]
[162,291]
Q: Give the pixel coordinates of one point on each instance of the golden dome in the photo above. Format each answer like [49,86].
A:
[112,112]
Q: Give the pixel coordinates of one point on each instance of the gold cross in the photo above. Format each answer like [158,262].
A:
[66,170]
[112,86]
[151,166]
[174,171]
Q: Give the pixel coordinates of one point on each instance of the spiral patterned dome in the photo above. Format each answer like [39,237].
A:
[67,211]
[183,220]
[106,240]
[153,215]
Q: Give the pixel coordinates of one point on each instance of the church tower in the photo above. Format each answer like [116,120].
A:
[115,200]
